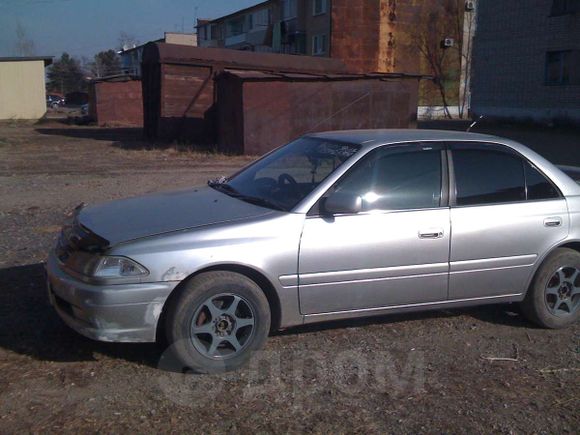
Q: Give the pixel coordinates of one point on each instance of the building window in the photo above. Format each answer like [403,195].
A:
[558,67]
[216,31]
[318,7]
[564,7]
[289,10]
[319,44]
[204,31]
[260,20]
[236,26]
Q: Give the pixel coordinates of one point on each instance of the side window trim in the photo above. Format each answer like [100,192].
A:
[414,146]
[525,179]
[494,147]
[452,184]
[445,178]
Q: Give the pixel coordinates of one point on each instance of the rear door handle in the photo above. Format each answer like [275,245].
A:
[431,234]
[553,221]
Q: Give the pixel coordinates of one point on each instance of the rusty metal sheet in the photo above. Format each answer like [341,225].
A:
[117,103]
[255,116]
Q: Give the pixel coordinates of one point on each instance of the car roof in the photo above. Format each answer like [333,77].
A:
[385,136]
[372,138]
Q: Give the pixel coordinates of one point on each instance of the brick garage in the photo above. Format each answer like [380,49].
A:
[116,102]
[253,102]
[258,111]
[179,94]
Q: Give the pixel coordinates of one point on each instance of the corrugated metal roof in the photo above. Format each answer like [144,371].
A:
[187,55]
[257,75]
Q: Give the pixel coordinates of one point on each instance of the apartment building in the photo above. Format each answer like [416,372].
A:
[368,35]
[527,60]
[131,57]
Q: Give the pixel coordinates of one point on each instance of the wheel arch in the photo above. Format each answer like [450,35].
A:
[258,277]
[570,244]
[574,244]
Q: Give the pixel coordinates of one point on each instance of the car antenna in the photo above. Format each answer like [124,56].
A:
[474,123]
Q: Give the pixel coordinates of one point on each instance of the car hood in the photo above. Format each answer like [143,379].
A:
[128,219]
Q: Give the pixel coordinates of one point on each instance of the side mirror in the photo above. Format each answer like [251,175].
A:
[341,203]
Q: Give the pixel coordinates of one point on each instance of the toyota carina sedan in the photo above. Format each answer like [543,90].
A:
[331,226]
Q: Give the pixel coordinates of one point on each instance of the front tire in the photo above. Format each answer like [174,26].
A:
[217,321]
[553,299]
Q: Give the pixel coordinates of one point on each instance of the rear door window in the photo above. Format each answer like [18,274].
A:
[539,187]
[488,174]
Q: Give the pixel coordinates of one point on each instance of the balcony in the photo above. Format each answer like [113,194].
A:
[236,39]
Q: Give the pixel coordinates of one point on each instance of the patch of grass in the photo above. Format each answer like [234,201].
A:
[180,149]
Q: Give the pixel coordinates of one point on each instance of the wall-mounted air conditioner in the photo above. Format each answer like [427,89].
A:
[448,42]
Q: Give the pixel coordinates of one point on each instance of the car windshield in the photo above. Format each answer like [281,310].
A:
[283,178]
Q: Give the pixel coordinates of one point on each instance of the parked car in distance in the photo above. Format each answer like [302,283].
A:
[330,226]
[54,101]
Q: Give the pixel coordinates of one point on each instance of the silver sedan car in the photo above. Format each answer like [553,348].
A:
[330,226]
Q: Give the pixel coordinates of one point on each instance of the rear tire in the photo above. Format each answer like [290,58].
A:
[217,321]
[553,299]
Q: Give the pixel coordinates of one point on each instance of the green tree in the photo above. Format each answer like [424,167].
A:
[65,75]
[106,63]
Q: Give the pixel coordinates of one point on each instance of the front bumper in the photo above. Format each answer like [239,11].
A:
[120,312]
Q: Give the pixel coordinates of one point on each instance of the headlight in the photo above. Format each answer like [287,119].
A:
[118,267]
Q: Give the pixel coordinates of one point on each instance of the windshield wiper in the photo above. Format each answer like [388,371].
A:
[256,200]
[226,188]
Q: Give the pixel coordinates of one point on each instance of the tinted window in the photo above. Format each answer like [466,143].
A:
[538,186]
[396,179]
[488,176]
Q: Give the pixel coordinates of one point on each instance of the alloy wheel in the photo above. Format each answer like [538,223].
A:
[222,326]
[562,294]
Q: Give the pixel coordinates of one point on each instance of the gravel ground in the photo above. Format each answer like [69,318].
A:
[429,372]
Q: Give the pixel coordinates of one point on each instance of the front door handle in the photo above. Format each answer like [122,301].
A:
[431,234]
[555,221]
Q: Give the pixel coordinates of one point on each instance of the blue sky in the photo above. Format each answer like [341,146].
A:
[85,27]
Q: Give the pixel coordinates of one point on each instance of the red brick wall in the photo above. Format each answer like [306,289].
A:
[118,104]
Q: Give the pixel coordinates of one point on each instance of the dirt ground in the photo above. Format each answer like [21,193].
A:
[429,372]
